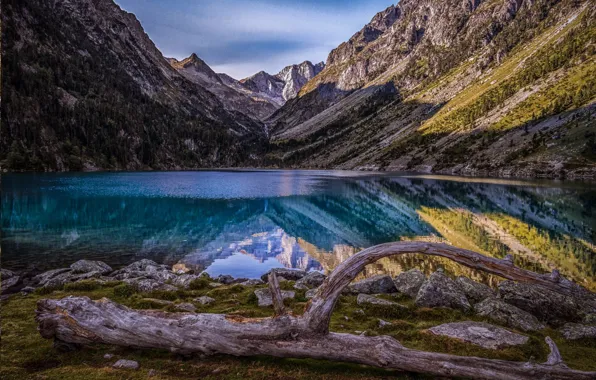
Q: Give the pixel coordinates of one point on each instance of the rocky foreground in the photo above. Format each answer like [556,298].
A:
[522,307]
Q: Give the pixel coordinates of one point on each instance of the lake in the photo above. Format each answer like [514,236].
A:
[244,223]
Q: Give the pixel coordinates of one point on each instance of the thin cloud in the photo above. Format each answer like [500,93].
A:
[243,37]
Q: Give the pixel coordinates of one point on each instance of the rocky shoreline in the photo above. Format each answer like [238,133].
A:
[522,307]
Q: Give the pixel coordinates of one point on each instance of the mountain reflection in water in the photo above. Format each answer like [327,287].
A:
[244,223]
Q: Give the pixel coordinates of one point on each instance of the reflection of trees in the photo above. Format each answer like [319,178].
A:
[326,225]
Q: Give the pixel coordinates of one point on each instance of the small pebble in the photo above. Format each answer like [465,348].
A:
[108,356]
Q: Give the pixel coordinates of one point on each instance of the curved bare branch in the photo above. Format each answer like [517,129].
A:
[318,312]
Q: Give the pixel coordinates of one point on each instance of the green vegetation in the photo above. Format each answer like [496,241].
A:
[574,258]
[26,355]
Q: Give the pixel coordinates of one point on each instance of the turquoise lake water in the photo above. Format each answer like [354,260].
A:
[245,222]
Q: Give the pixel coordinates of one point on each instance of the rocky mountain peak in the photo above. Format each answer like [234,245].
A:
[296,76]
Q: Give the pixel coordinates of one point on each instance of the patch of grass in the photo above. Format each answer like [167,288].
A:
[85,285]
[124,290]
[26,355]
[199,283]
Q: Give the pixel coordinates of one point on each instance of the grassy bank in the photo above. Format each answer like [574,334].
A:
[25,355]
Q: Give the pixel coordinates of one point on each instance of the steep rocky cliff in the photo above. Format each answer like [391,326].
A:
[84,88]
[233,96]
[500,87]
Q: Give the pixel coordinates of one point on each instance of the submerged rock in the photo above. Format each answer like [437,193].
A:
[474,291]
[374,285]
[574,331]
[311,280]
[441,291]
[551,307]
[409,282]
[126,364]
[508,315]
[288,274]
[86,266]
[481,334]
[264,296]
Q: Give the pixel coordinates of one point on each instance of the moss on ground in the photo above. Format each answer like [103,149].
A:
[26,355]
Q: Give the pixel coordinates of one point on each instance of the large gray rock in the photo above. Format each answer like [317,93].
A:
[184,280]
[58,277]
[86,266]
[574,331]
[367,299]
[146,269]
[474,291]
[441,291]
[264,296]
[481,334]
[507,314]
[187,307]
[8,279]
[311,280]
[374,285]
[252,282]
[43,278]
[550,307]
[288,274]
[146,285]
[126,364]
[409,282]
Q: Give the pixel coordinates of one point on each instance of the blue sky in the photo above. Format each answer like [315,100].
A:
[242,37]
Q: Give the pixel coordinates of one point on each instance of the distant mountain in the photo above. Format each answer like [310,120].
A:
[499,87]
[232,96]
[285,85]
[85,88]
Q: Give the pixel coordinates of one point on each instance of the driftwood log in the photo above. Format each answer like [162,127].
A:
[75,321]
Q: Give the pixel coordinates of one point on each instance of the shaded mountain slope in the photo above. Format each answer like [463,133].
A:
[487,87]
[84,87]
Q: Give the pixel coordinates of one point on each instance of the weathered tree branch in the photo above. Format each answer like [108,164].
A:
[276,296]
[79,320]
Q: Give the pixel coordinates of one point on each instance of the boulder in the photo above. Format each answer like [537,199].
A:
[550,307]
[204,300]
[383,323]
[482,334]
[187,307]
[126,364]
[367,299]
[474,291]
[574,331]
[409,282]
[264,296]
[288,274]
[441,291]
[311,280]
[252,282]
[508,315]
[28,290]
[145,285]
[225,279]
[86,266]
[184,280]
[43,278]
[143,265]
[374,285]
[311,293]
[8,279]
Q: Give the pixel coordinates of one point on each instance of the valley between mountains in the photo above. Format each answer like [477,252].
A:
[469,87]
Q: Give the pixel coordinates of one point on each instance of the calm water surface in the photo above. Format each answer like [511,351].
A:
[244,223]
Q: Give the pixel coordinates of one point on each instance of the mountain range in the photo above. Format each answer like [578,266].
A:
[475,87]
